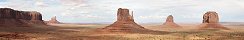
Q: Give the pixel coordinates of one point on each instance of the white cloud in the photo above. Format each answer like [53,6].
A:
[41,4]
[149,17]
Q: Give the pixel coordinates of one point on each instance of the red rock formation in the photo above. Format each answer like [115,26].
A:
[10,17]
[211,21]
[170,22]
[53,20]
[125,22]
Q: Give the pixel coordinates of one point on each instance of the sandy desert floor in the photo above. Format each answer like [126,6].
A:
[90,32]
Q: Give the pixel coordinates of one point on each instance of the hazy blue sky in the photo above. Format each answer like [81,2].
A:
[94,11]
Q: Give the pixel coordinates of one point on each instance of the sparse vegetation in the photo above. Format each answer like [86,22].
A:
[84,32]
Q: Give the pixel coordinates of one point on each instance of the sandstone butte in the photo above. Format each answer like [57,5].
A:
[53,21]
[169,23]
[124,23]
[10,17]
[211,21]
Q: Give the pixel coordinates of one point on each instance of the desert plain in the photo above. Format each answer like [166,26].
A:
[90,32]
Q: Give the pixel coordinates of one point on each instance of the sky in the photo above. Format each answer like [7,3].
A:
[145,11]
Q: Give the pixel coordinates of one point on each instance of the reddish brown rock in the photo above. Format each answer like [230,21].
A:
[211,21]
[53,20]
[170,22]
[125,23]
[10,17]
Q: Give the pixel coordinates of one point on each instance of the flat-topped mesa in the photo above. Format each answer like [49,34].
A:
[211,21]
[53,21]
[125,22]
[10,17]
[170,22]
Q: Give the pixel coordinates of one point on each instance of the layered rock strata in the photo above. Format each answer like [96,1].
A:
[11,17]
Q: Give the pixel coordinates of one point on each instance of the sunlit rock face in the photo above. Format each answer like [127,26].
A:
[170,22]
[53,21]
[211,21]
[125,22]
[11,17]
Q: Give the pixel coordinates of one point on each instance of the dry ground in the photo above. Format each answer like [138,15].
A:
[90,32]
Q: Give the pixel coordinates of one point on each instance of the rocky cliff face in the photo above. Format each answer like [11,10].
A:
[124,15]
[211,21]
[125,22]
[170,22]
[210,17]
[53,21]
[10,17]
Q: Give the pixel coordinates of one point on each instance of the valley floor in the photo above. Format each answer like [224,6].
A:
[90,32]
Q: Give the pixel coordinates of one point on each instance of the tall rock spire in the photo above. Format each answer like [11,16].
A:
[211,21]
[132,15]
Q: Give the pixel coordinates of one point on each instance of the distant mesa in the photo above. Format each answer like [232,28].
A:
[53,21]
[169,23]
[11,17]
[211,21]
[124,23]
